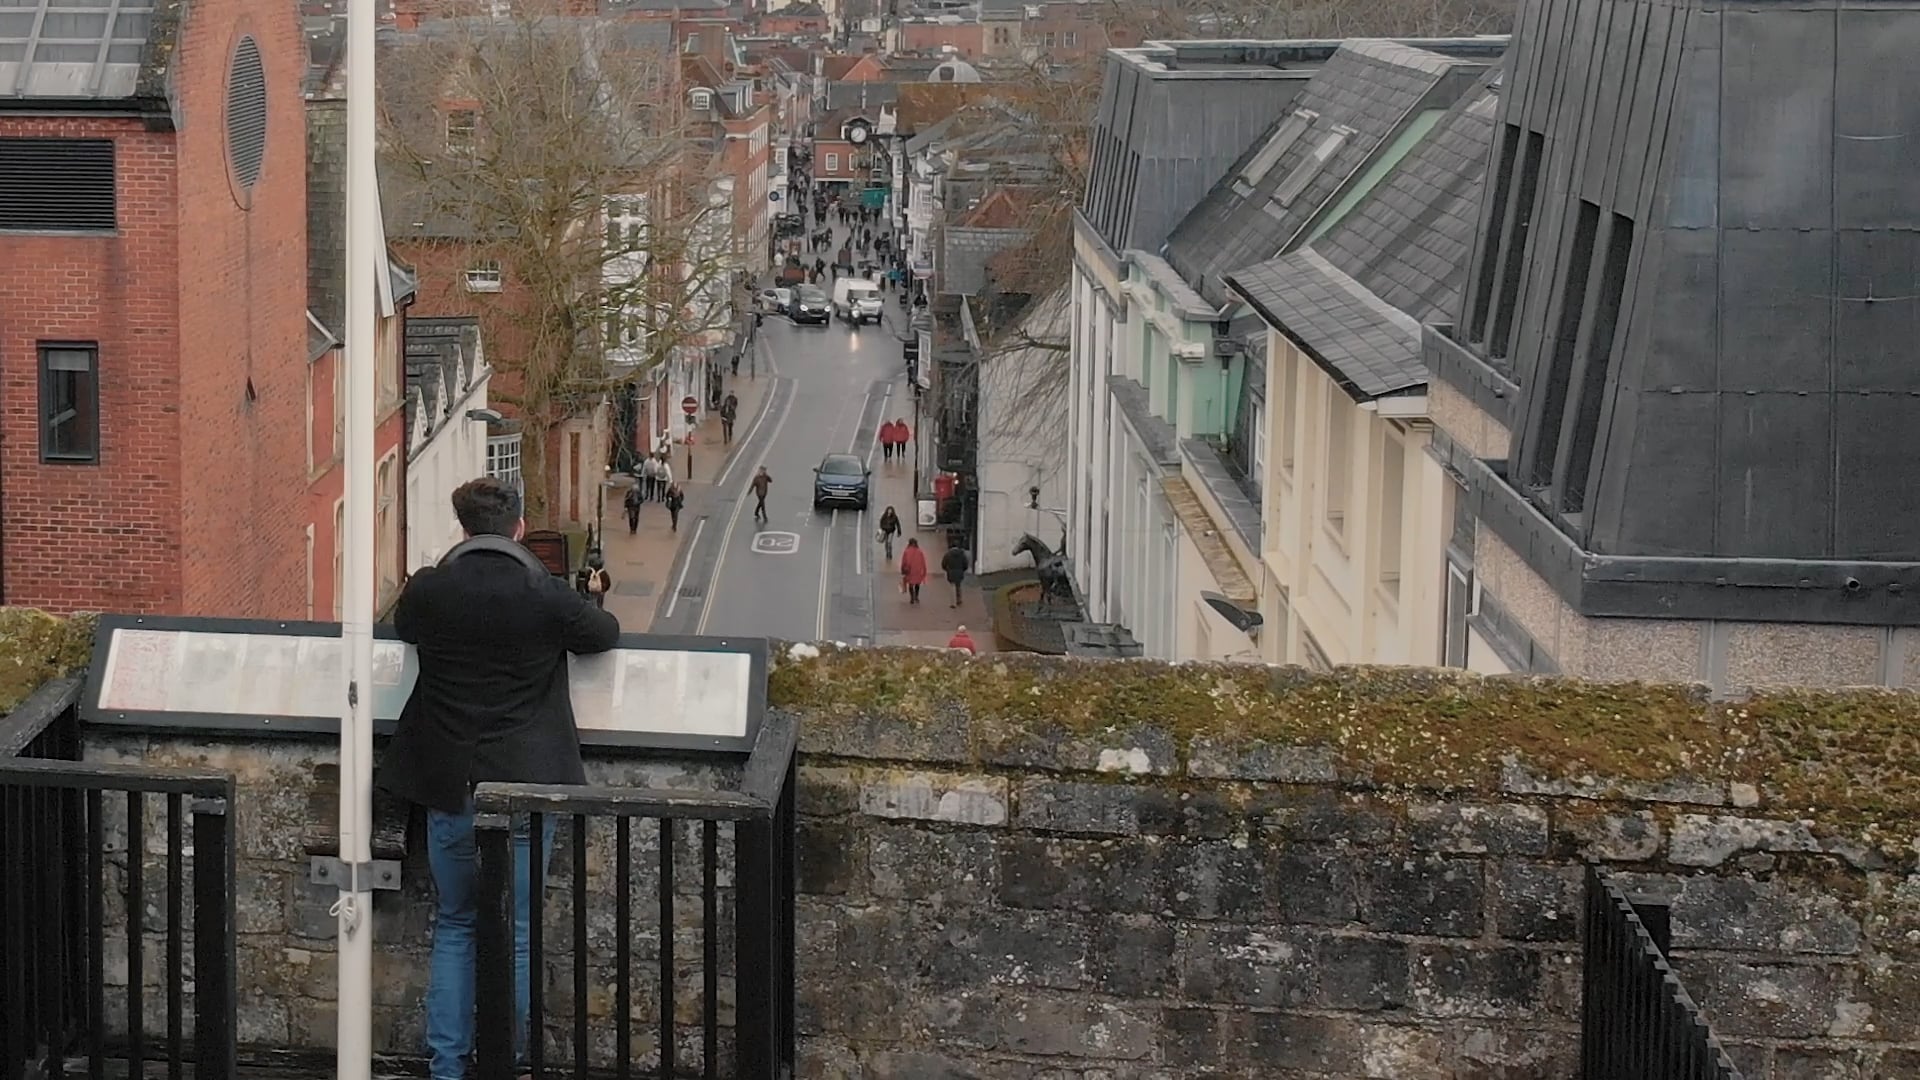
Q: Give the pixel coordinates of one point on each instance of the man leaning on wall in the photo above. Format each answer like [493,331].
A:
[493,631]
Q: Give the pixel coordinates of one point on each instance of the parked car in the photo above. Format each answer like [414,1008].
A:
[774,300]
[809,305]
[856,300]
[840,480]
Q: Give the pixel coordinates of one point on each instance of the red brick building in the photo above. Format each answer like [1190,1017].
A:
[153,333]
[326,306]
[796,20]
[736,113]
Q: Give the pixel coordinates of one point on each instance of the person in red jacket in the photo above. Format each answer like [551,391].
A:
[913,570]
[962,640]
[886,440]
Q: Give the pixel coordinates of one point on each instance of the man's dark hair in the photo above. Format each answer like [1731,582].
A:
[487,507]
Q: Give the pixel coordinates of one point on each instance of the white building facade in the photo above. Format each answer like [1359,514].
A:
[447,444]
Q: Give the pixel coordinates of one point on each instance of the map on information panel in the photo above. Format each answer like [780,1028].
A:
[690,691]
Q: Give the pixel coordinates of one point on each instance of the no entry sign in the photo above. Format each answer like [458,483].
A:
[689,405]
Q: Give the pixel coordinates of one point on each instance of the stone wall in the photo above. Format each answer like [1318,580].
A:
[1028,868]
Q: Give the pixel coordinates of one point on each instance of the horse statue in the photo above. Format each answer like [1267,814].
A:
[1056,580]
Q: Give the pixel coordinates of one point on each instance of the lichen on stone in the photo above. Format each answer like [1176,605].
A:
[36,647]
[1845,760]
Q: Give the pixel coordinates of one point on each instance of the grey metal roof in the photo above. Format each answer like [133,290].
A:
[1230,487]
[1163,136]
[1368,90]
[1159,437]
[1355,298]
[70,49]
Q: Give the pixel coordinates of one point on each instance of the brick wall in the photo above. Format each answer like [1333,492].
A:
[242,305]
[1023,868]
[92,537]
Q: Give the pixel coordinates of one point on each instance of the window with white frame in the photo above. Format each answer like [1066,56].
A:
[1286,416]
[503,458]
[1339,467]
[463,126]
[484,276]
[386,530]
[1258,422]
[1303,174]
[833,162]
[701,99]
[1284,137]
[339,555]
[1393,493]
[310,539]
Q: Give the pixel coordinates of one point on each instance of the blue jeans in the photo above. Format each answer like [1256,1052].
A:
[453,855]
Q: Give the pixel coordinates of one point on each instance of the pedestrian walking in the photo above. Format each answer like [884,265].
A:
[491,706]
[913,570]
[676,502]
[729,411]
[761,482]
[633,509]
[594,582]
[962,640]
[889,528]
[886,440]
[902,434]
[955,564]
[666,474]
[649,477]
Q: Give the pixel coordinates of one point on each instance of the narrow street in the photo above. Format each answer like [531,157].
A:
[803,574]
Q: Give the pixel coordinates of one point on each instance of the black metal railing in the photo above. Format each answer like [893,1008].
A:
[1637,1022]
[95,937]
[584,996]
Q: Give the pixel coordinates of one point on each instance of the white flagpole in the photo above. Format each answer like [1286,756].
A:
[364,260]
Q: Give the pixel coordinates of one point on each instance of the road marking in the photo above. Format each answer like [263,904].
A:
[693,545]
[733,521]
[860,520]
[744,440]
[826,544]
[775,543]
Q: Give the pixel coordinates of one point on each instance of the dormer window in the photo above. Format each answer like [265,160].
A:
[462,127]
[701,99]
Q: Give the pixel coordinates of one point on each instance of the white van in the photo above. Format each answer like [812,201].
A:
[856,300]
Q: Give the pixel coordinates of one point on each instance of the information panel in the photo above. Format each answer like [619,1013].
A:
[678,692]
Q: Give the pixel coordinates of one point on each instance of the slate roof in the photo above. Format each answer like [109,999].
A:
[326,220]
[1355,299]
[965,253]
[1368,88]
[861,95]
[53,50]
[922,105]
[327,213]
[440,357]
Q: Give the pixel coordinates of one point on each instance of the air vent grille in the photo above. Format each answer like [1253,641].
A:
[246,113]
[56,185]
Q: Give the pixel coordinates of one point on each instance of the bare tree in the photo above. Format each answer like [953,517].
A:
[520,137]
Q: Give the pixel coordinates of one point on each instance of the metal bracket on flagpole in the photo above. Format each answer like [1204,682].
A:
[382,874]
